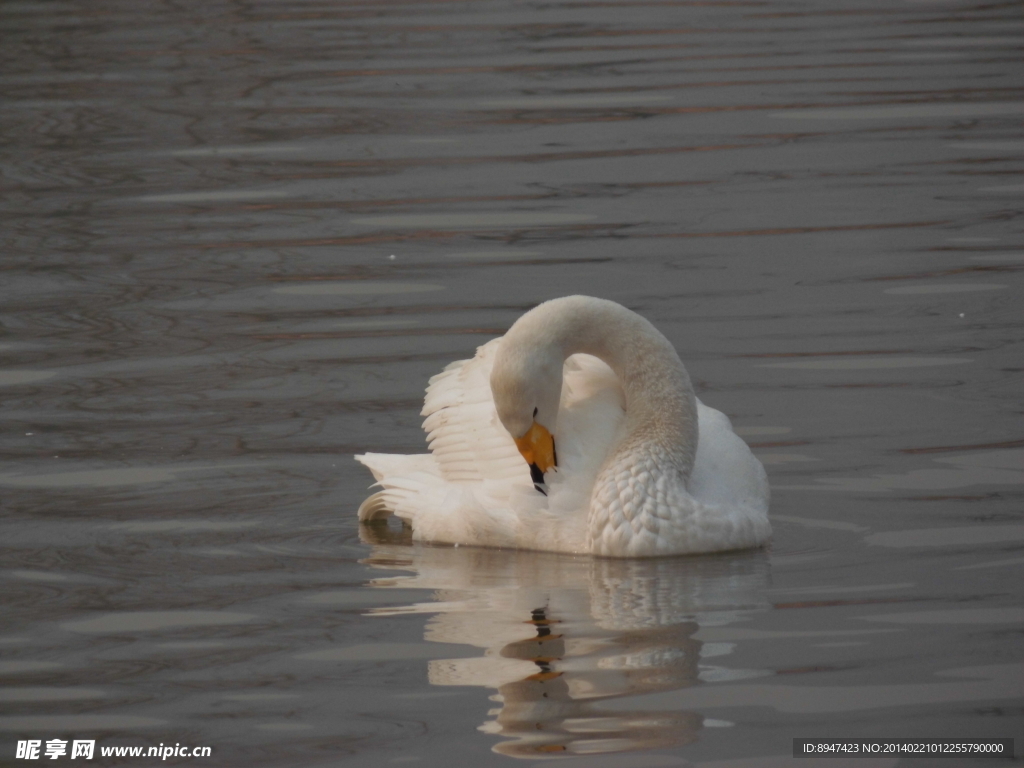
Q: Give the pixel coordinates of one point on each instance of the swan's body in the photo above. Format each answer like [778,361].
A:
[643,467]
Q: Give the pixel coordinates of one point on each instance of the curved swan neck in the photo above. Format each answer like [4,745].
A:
[661,409]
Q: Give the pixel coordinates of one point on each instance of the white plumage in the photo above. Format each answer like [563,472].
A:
[643,468]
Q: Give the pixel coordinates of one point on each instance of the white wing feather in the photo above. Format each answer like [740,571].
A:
[462,426]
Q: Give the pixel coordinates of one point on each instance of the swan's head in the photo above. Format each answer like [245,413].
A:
[526,385]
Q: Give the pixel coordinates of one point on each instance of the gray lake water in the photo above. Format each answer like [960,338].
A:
[238,238]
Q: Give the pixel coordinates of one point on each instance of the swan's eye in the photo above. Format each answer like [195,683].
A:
[535,412]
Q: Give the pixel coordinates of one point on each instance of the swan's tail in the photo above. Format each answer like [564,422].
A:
[488,513]
[375,507]
[403,478]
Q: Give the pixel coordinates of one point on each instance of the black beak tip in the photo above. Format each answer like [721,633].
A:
[538,478]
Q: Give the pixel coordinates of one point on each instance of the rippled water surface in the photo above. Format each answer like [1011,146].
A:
[240,237]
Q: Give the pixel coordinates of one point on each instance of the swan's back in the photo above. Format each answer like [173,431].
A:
[726,473]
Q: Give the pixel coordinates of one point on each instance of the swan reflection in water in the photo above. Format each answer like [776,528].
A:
[561,634]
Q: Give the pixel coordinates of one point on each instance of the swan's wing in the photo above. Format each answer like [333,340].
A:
[468,442]
[474,487]
[463,431]
[389,464]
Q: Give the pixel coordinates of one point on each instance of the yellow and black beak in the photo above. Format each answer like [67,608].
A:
[538,448]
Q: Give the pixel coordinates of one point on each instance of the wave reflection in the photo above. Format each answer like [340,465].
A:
[560,634]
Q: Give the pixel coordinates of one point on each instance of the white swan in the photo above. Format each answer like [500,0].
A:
[577,431]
